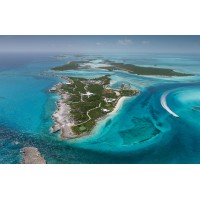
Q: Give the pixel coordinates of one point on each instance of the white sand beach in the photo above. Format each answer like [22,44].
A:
[119,104]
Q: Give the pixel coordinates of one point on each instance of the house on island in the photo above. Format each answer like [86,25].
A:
[88,94]
[105,110]
[53,89]
[109,100]
[117,93]
[125,86]
[93,82]
[109,91]
[68,83]
[56,87]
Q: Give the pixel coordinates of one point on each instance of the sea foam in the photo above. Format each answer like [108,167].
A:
[164,103]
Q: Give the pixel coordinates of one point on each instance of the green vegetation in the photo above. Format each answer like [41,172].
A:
[133,69]
[90,100]
[82,128]
[96,113]
[128,92]
[70,66]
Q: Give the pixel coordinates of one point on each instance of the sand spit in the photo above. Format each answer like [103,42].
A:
[31,155]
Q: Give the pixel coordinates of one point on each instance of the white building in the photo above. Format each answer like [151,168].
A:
[88,94]
[105,110]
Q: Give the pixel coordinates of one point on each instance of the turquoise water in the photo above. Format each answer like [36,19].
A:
[142,131]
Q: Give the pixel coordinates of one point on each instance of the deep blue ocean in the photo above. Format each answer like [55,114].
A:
[142,131]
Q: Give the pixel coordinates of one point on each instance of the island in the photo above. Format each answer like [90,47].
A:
[130,68]
[84,102]
[74,65]
[145,71]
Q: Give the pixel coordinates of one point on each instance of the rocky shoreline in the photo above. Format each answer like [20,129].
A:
[61,117]
[31,155]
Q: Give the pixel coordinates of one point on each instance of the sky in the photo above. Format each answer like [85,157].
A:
[111,44]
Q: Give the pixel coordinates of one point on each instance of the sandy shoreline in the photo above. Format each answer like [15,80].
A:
[119,104]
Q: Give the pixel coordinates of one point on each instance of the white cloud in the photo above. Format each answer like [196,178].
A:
[125,42]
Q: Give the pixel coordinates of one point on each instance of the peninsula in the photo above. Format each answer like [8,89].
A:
[83,102]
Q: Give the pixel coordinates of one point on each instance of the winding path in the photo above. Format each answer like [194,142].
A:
[89,118]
